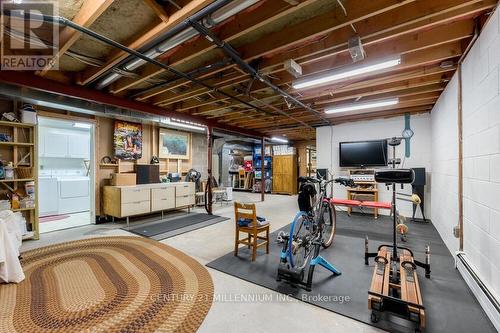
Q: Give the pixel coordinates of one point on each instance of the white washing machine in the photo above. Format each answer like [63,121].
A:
[74,194]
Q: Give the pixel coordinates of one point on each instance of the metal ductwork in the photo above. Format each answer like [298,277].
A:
[212,15]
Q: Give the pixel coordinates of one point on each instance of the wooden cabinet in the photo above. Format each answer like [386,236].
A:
[285,174]
[79,146]
[55,144]
[62,144]
[184,195]
[124,201]
[162,198]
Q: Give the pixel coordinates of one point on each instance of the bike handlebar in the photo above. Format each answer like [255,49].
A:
[339,180]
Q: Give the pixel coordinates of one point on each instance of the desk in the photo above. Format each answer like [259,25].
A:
[354,193]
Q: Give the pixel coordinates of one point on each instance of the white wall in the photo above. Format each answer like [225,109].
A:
[481,150]
[327,145]
[444,191]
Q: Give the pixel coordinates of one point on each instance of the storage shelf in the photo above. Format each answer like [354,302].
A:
[14,124]
[16,180]
[109,165]
[29,235]
[22,144]
[22,209]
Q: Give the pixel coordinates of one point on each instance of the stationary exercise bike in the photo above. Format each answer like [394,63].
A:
[395,286]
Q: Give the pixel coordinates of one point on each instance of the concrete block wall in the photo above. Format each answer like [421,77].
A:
[481,150]
[200,154]
[327,146]
[444,159]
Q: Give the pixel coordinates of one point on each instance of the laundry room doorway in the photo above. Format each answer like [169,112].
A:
[66,174]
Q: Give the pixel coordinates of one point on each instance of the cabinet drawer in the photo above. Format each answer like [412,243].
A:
[162,193]
[183,190]
[162,203]
[135,208]
[186,200]
[135,194]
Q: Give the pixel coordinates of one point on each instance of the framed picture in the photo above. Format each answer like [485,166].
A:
[128,140]
[174,144]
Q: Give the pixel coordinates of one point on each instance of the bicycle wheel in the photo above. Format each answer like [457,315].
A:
[328,216]
[299,248]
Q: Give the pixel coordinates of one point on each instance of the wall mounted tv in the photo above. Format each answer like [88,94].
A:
[362,154]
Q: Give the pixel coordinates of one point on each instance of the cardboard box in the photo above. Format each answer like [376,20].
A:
[123,179]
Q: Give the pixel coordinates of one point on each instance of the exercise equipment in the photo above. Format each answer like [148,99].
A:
[312,228]
[395,287]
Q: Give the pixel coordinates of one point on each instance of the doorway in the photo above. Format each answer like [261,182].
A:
[66,174]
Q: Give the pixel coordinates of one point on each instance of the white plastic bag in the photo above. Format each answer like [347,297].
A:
[10,243]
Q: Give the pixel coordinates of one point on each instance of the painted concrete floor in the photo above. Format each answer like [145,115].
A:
[209,243]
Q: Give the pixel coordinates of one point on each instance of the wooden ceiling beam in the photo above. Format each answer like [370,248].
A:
[400,91]
[409,60]
[301,32]
[86,16]
[411,18]
[116,56]
[417,96]
[424,103]
[159,10]
[239,25]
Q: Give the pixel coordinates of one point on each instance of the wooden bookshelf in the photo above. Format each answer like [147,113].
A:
[21,151]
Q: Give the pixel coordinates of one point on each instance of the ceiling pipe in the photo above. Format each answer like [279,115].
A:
[233,54]
[211,15]
[68,23]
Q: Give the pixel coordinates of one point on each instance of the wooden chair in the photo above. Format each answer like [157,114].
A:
[253,230]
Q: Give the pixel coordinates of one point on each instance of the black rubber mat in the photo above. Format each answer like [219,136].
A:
[450,305]
[175,226]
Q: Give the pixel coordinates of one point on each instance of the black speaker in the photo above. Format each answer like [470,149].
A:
[419,176]
[398,176]
[147,173]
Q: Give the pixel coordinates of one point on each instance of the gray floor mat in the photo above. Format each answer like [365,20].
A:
[450,305]
[175,226]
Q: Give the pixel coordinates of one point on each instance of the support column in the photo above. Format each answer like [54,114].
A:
[263,171]
[208,203]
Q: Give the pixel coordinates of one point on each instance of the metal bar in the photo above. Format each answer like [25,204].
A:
[249,69]
[63,21]
[209,170]
[41,91]
[218,4]
[263,170]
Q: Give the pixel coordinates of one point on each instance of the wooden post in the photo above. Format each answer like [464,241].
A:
[209,170]
[263,171]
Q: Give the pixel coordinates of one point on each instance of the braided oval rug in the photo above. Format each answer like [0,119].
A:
[109,284]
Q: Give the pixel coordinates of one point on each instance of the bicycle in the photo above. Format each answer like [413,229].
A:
[313,227]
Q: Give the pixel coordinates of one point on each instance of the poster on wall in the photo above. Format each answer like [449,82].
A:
[174,144]
[128,140]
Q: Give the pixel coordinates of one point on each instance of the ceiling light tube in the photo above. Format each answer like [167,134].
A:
[280,140]
[362,106]
[182,124]
[339,74]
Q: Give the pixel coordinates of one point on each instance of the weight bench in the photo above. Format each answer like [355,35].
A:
[360,204]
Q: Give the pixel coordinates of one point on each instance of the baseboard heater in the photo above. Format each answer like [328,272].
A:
[488,301]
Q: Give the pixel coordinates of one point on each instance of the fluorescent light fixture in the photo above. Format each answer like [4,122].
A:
[183,124]
[339,74]
[362,106]
[281,140]
[82,125]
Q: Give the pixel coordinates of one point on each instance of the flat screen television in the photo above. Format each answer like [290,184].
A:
[363,153]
